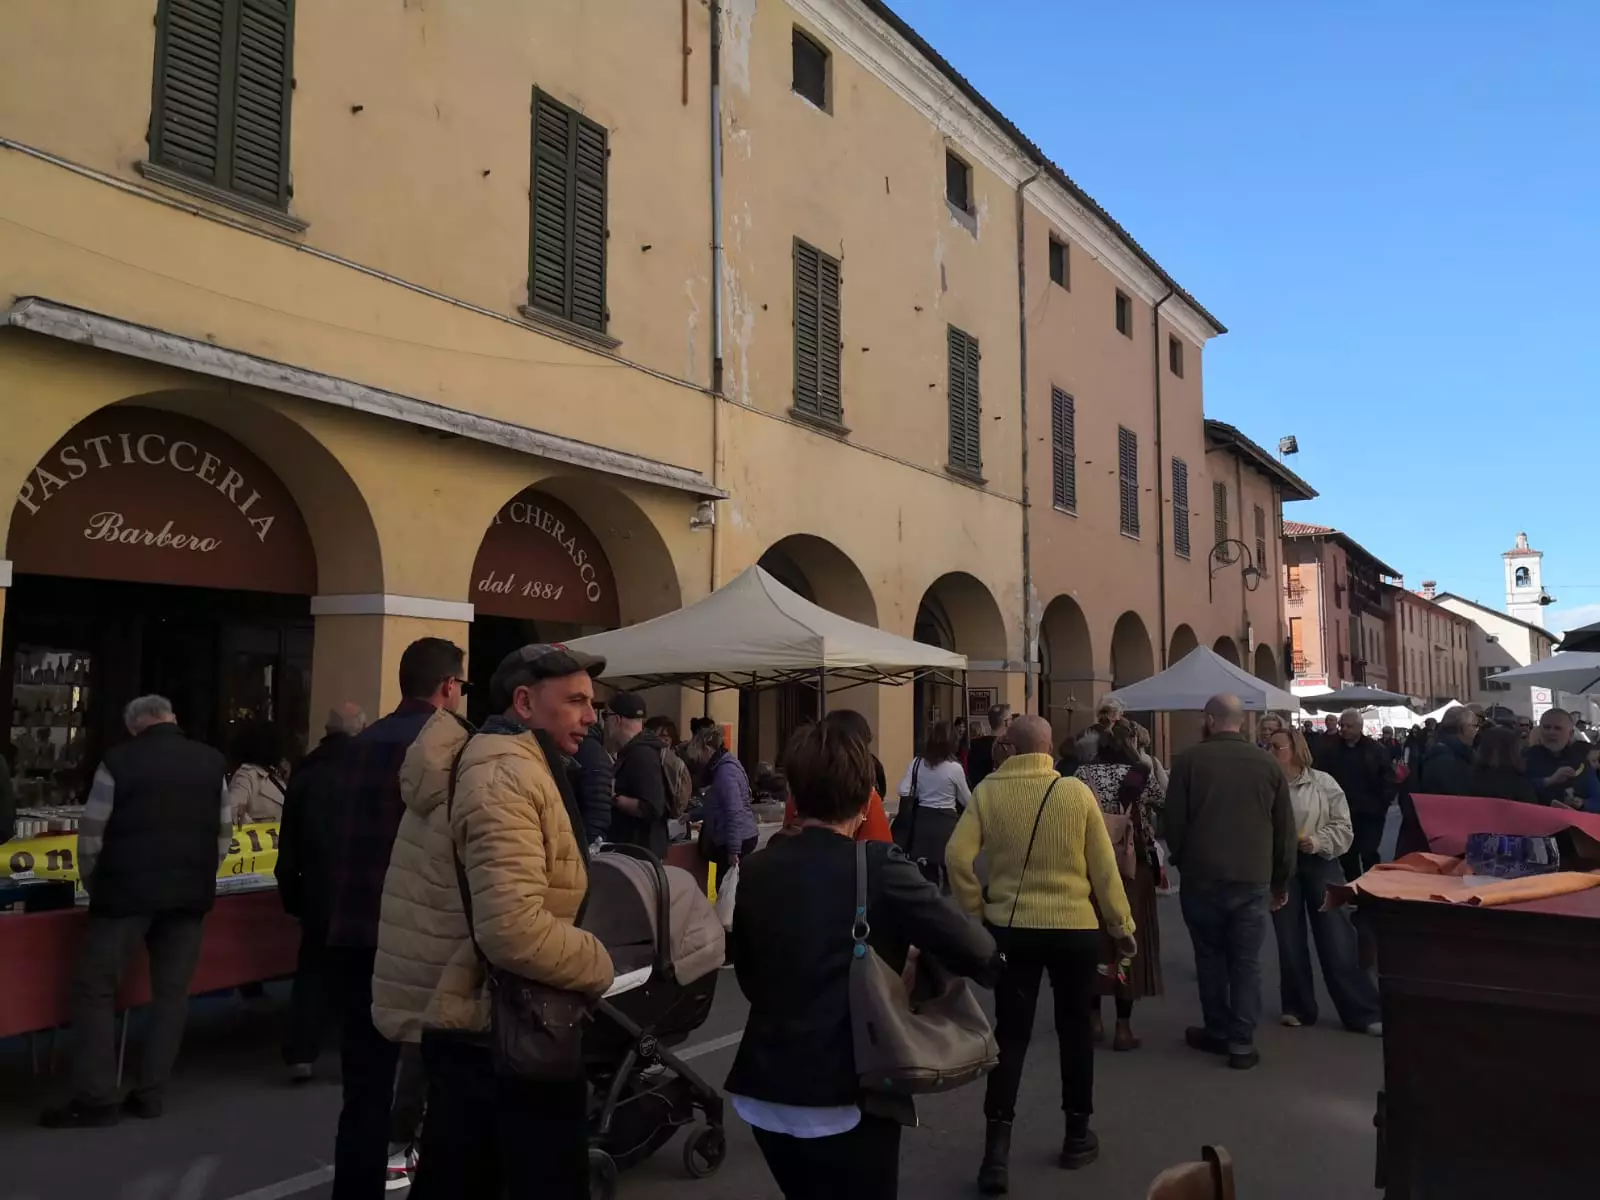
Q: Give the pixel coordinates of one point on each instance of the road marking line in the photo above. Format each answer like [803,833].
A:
[711,1047]
[289,1187]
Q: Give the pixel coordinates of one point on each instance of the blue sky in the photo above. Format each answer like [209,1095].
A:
[1394,207]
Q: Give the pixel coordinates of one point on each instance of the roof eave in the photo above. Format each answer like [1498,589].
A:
[1229,437]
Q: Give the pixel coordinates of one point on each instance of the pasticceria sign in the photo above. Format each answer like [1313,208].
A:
[150,496]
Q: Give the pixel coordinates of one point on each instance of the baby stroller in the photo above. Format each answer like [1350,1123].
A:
[666,944]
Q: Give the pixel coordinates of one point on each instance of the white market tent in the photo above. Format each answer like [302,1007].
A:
[1576,672]
[753,631]
[1199,675]
[1355,696]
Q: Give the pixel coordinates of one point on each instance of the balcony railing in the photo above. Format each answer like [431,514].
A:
[1296,592]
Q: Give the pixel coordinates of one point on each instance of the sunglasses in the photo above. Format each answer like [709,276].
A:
[465,685]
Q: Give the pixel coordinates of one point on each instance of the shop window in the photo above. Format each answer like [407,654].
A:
[966,456]
[817,341]
[220,110]
[567,241]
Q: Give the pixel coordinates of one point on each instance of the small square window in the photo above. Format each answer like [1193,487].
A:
[957,182]
[810,70]
[1124,315]
[1060,265]
[1175,356]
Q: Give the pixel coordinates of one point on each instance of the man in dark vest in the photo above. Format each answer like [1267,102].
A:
[154,831]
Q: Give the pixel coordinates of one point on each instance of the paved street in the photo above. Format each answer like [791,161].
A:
[1299,1127]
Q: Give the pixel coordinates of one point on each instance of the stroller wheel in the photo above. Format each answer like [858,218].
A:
[704,1152]
[602,1175]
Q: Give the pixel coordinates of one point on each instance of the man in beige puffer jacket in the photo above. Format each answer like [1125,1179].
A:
[516,828]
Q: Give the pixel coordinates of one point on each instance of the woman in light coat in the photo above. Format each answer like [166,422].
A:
[1323,818]
[255,792]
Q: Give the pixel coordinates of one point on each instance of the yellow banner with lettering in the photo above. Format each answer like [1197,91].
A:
[55,855]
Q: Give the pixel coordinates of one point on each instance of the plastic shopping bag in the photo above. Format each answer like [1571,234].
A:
[727,889]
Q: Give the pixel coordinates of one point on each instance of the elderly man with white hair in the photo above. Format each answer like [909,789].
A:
[151,877]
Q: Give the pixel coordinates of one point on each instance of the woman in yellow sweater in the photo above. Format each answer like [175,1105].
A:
[1047,849]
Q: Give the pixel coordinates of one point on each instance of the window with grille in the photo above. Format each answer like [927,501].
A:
[1261,538]
[1060,264]
[220,112]
[1180,508]
[1063,451]
[966,457]
[810,70]
[1128,479]
[1124,315]
[567,243]
[818,350]
[1219,532]
[1175,356]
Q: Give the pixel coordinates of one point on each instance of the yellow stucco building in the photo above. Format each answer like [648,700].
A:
[328,326]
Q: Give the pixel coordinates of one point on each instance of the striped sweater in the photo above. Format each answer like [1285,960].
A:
[1072,853]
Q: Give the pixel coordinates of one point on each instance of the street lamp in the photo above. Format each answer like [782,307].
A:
[1220,557]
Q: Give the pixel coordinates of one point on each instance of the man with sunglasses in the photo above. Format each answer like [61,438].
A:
[368,817]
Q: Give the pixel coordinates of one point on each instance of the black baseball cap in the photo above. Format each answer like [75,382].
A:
[536,661]
[627,704]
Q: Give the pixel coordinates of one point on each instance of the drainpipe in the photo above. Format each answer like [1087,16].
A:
[716,280]
[1161,483]
[1029,656]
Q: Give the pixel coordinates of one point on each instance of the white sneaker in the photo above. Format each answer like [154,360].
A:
[1292,1021]
[402,1167]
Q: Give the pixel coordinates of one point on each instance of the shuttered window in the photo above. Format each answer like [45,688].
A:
[1063,451]
[1128,479]
[966,455]
[817,347]
[1219,507]
[220,112]
[1261,538]
[1180,508]
[567,251]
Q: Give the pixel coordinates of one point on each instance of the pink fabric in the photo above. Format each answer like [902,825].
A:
[1448,820]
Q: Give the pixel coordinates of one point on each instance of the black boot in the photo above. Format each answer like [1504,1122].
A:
[994,1175]
[1081,1147]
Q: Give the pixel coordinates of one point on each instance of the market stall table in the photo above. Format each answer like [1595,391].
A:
[248,939]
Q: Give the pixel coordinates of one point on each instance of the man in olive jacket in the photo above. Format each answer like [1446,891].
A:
[1231,832]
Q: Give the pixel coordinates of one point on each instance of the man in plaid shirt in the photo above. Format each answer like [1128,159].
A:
[365,826]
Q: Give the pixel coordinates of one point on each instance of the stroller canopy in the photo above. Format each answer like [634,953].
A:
[623,914]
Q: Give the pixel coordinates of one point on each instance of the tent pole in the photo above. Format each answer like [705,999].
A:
[822,695]
[705,698]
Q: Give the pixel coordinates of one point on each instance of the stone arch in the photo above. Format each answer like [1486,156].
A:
[1267,665]
[563,557]
[820,571]
[1066,660]
[1227,648]
[1184,642]
[1183,728]
[958,612]
[1131,656]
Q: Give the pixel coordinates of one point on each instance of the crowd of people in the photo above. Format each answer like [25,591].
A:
[426,858]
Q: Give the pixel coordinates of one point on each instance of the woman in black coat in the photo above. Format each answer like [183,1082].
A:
[794,1079]
[1497,767]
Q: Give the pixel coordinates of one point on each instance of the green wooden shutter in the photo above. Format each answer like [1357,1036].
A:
[1219,512]
[1180,507]
[806,305]
[186,126]
[223,75]
[588,224]
[1128,479]
[550,274]
[958,390]
[1064,450]
[972,408]
[567,238]
[259,159]
[830,343]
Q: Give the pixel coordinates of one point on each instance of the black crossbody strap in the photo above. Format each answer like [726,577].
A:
[461,872]
[1026,858]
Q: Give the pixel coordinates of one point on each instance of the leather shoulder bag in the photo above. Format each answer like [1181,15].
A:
[535,1030]
[1123,826]
[903,831]
[905,1047]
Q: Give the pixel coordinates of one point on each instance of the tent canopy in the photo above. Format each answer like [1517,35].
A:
[755,631]
[1199,675]
[1576,672]
[1356,696]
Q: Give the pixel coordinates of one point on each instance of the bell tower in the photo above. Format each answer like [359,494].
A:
[1525,597]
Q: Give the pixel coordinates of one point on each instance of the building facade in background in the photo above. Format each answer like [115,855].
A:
[1432,655]
[1334,610]
[1500,642]
[325,327]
